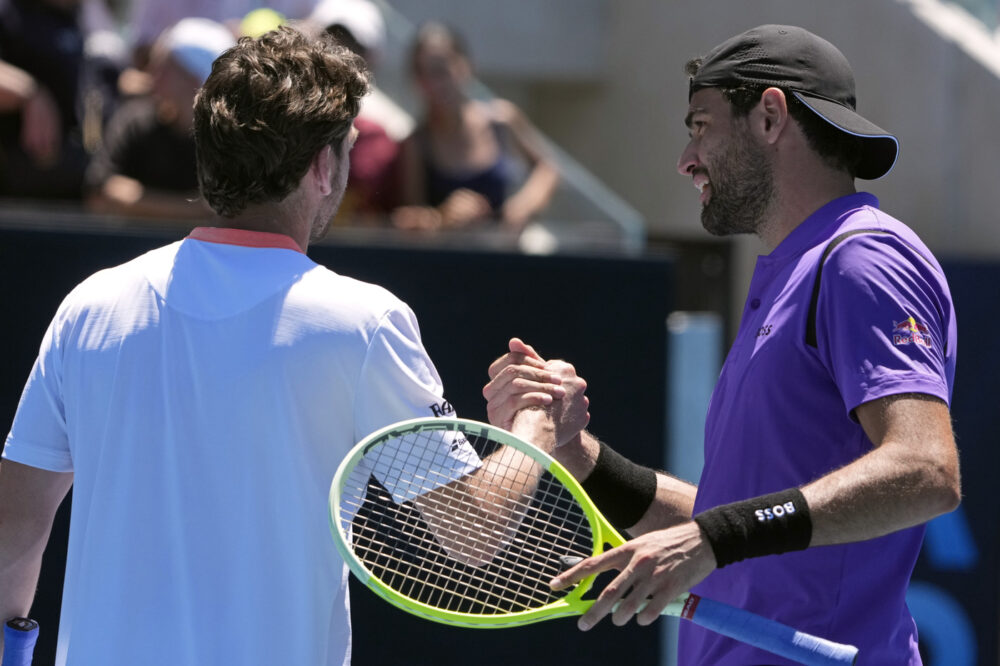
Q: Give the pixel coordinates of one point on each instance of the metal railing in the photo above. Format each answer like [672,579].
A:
[987,11]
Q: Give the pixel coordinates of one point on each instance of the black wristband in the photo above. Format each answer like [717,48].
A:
[765,525]
[620,488]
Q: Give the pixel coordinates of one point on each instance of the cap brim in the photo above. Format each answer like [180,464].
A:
[880,147]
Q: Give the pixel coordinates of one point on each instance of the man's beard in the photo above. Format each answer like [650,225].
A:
[742,183]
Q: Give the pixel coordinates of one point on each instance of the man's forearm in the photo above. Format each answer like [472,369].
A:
[672,502]
[875,495]
[910,477]
[18,579]
[579,455]
[492,499]
[29,498]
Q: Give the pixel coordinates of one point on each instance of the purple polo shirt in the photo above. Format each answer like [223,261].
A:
[781,416]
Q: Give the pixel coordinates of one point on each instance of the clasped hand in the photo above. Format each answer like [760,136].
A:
[521,379]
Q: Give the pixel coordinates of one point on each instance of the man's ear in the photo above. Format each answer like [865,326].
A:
[772,114]
[322,169]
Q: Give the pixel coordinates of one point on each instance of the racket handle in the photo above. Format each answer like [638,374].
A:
[767,634]
[19,636]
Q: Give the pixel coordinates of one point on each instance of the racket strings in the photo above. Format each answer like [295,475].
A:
[512,582]
[523,546]
[494,489]
[498,594]
[554,523]
[416,528]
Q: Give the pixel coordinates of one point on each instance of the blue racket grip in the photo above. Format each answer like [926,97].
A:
[19,636]
[767,634]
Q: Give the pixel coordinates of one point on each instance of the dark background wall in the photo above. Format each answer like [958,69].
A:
[958,574]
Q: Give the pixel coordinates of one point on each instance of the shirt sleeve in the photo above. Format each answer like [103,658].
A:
[399,381]
[38,436]
[883,321]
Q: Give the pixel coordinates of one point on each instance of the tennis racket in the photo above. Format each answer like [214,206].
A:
[437,533]
[19,636]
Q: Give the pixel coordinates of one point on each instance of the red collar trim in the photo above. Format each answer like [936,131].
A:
[230,236]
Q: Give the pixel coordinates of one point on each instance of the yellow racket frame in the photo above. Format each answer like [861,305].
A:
[571,604]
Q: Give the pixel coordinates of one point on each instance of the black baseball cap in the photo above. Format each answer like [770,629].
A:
[813,70]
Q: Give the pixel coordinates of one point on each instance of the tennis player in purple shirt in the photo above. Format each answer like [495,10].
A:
[828,441]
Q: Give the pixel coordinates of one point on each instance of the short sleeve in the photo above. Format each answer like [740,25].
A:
[399,381]
[38,436]
[884,321]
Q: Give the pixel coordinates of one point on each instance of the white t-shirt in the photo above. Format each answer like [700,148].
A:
[203,395]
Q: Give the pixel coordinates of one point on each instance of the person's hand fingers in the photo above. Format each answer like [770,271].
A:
[415,218]
[570,413]
[463,206]
[517,345]
[515,396]
[499,392]
[404,217]
[608,601]
[507,398]
[635,599]
[501,414]
[519,354]
[472,204]
[654,608]
[567,373]
[514,379]
[513,358]
[612,559]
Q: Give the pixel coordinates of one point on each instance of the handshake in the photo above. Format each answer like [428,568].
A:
[521,379]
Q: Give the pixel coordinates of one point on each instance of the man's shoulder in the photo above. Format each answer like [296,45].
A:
[112,280]
[873,252]
[105,292]
[859,230]
[868,215]
[325,286]
[869,232]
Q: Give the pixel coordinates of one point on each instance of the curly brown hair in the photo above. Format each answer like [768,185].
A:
[269,106]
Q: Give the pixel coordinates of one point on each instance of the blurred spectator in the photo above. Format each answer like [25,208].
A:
[149,18]
[136,79]
[56,89]
[457,168]
[260,21]
[146,166]
[359,26]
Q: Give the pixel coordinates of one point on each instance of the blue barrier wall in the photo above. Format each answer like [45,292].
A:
[956,590]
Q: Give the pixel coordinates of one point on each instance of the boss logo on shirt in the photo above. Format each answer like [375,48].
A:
[765,330]
[776,511]
[910,331]
[443,409]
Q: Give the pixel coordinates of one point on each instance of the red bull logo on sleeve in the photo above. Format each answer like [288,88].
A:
[911,331]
